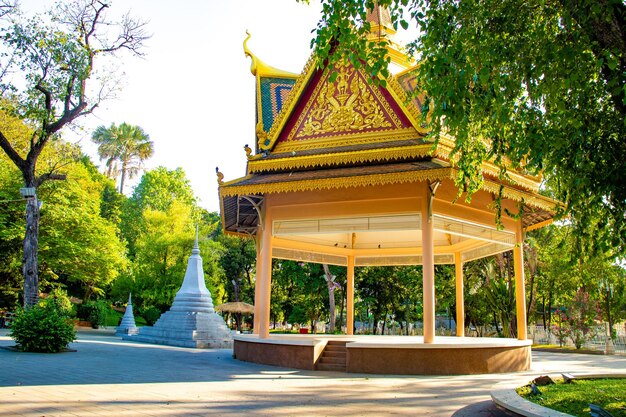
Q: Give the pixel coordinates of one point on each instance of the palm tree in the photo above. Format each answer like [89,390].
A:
[124,148]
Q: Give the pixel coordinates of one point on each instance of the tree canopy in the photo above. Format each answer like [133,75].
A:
[535,86]
[51,76]
[125,144]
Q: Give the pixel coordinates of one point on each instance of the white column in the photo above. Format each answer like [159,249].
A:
[350,297]
[428,263]
[265,290]
[460,297]
[520,285]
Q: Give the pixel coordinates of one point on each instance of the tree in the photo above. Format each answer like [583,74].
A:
[542,81]
[129,145]
[157,190]
[48,81]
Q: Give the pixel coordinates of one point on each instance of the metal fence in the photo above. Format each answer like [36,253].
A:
[541,336]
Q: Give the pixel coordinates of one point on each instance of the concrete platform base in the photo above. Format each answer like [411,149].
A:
[393,355]
[195,330]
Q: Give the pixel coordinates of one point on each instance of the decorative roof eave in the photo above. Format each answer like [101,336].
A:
[530,182]
[232,188]
[259,68]
[340,158]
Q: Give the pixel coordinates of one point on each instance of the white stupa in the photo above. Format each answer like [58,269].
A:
[127,326]
[191,321]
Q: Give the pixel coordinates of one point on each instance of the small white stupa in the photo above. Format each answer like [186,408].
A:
[127,326]
[191,321]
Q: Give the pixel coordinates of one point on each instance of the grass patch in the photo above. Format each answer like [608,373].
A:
[574,398]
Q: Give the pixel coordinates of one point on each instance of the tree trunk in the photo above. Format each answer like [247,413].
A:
[342,307]
[330,283]
[122,178]
[31,248]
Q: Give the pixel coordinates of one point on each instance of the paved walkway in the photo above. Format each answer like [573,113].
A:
[108,376]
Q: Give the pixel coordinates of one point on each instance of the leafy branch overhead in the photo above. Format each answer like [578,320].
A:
[532,85]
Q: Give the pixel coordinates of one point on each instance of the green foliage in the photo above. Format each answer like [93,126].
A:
[47,81]
[78,247]
[61,300]
[512,81]
[160,187]
[42,328]
[150,315]
[124,148]
[299,292]
[94,311]
[579,318]
[77,244]
[238,261]
[574,398]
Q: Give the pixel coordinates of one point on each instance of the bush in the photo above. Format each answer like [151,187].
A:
[94,312]
[59,297]
[150,315]
[43,328]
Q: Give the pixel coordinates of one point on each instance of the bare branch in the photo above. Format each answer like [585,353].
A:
[49,176]
[11,153]
[131,37]
[6,7]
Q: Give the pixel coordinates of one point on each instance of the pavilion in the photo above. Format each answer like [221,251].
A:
[343,173]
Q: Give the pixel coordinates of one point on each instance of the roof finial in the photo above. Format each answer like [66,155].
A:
[247,53]
[195,244]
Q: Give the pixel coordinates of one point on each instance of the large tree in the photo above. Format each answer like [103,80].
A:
[544,82]
[49,79]
[127,144]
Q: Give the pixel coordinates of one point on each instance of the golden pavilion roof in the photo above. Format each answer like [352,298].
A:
[315,133]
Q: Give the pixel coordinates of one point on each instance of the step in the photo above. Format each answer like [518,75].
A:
[331,367]
[334,349]
[336,343]
[334,354]
[338,361]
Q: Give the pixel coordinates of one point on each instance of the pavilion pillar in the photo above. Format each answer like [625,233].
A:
[257,284]
[428,263]
[265,290]
[520,285]
[460,296]
[350,297]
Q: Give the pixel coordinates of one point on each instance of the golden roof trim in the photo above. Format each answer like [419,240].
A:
[259,68]
[445,146]
[409,108]
[327,159]
[231,188]
[347,139]
[331,183]
[536,200]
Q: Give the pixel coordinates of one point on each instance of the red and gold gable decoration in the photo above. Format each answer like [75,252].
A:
[348,111]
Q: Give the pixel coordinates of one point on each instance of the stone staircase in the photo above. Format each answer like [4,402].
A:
[333,357]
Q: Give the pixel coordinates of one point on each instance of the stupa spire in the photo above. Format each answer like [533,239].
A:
[191,321]
[127,325]
[380,21]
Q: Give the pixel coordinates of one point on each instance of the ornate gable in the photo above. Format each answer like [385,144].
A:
[347,111]
[272,95]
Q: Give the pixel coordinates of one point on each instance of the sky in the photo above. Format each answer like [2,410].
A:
[193,92]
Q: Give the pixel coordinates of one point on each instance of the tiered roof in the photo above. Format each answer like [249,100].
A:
[316,134]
